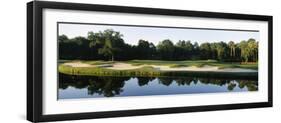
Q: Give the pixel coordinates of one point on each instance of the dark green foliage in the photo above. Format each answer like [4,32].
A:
[109,45]
[145,50]
[166,49]
[113,86]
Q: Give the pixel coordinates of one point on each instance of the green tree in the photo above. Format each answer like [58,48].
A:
[108,42]
[232,47]
[253,49]
[184,49]
[245,51]
[221,50]
[205,51]
[145,49]
[63,39]
[166,49]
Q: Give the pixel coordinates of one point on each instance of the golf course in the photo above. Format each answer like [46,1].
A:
[118,60]
[106,53]
[156,68]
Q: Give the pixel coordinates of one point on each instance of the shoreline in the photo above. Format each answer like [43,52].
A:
[164,68]
[128,70]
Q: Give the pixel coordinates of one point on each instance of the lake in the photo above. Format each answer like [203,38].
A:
[75,87]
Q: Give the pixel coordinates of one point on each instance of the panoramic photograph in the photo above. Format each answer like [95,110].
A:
[111,60]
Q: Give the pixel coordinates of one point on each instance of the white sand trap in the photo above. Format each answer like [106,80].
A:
[125,66]
[78,64]
[206,68]
[191,68]
[237,70]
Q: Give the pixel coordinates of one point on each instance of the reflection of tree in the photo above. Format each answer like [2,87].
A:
[251,85]
[106,86]
[165,80]
[219,82]
[63,85]
[184,81]
[111,86]
[231,86]
[144,80]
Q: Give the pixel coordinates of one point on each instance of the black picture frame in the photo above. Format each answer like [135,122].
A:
[34,60]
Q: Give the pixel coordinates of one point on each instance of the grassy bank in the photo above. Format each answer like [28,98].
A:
[197,63]
[148,71]
[175,64]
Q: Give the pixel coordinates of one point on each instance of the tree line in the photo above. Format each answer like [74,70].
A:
[109,45]
[112,86]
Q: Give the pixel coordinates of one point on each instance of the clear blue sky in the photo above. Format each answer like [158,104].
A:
[154,35]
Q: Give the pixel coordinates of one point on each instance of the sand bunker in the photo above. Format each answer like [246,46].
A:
[125,66]
[78,64]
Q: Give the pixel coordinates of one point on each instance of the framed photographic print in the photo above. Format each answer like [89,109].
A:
[95,61]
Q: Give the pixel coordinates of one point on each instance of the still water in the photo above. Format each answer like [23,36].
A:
[75,87]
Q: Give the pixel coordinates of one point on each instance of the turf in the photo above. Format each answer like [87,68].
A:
[150,71]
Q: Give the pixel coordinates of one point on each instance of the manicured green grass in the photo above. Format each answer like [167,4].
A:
[197,63]
[178,65]
[99,62]
[64,61]
[147,70]
[173,64]
[236,65]
[98,71]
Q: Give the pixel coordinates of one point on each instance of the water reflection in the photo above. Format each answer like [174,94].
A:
[92,86]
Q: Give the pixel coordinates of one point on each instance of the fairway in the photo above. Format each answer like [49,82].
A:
[155,68]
